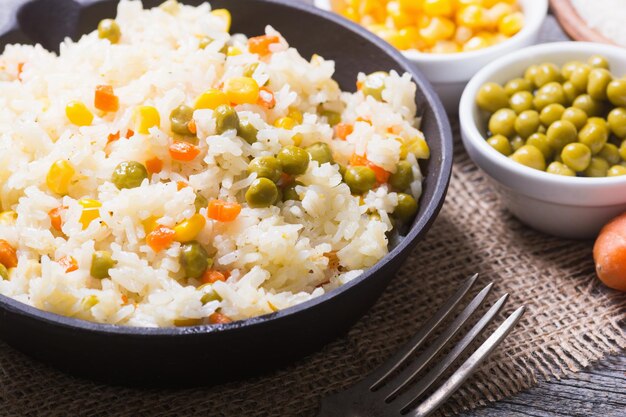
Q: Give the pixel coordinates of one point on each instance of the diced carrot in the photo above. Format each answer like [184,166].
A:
[223,211]
[105,99]
[382,176]
[154,165]
[219,318]
[8,255]
[55,217]
[211,276]
[124,298]
[20,68]
[183,151]
[358,160]
[266,98]
[129,133]
[285,180]
[261,44]
[113,137]
[359,85]
[160,238]
[343,130]
[69,263]
[192,126]
[181,184]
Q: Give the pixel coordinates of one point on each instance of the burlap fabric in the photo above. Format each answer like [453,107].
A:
[571,321]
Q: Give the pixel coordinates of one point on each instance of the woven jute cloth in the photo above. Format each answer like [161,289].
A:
[571,321]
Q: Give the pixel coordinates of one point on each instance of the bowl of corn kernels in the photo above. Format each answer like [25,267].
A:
[547,124]
[449,40]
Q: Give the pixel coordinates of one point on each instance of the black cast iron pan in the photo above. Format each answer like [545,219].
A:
[209,354]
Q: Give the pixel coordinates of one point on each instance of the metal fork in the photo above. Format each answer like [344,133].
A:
[384,394]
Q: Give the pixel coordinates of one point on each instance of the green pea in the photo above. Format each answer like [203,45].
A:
[491,97]
[289,193]
[527,123]
[616,171]
[332,117]
[247,131]
[210,296]
[568,69]
[403,177]
[129,174]
[200,202]
[622,150]
[551,113]
[610,153]
[548,94]
[617,122]
[598,81]
[575,116]
[266,167]
[517,142]
[194,259]
[531,73]
[4,272]
[576,156]
[598,61]
[547,73]
[529,156]
[521,101]
[540,141]
[101,263]
[580,77]
[561,133]
[360,179]
[320,152]
[560,168]
[262,193]
[616,92]
[250,69]
[406,208]
[589,105]
[109,29]
[501,144]
[594,135]
[598,167]
[293,159]
[516,85]
[374,85]
[502,122]
[570,92]
[180,118]
[226,118]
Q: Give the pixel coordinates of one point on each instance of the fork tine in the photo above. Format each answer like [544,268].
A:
[407,375]
[468,367]
[380,375]
[408,398]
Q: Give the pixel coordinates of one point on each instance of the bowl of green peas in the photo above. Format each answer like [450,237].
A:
[547,124]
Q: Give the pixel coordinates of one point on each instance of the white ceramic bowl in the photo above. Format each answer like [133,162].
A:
[449,73]
[570,207]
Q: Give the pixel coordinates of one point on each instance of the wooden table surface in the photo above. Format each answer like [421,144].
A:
[597,391]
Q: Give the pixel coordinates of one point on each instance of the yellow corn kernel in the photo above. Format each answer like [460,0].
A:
[233,51]
[411,37]
[350,13]
[242,90]
[146,117]
[170,6]
[211,99]
[296,115]
[78,113]
[373,8]
[417,146]
[60,176]
[8,218]
[497,12]
[187,230]
[285,123]
[91,211]
[511,24]
[463,34]
[438,7]
[399,17]
[225,16]
[150,224]
[297,139]
[472,16]
[476,42]
[439,29]
[89,301]
[445,47]
[411,5]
